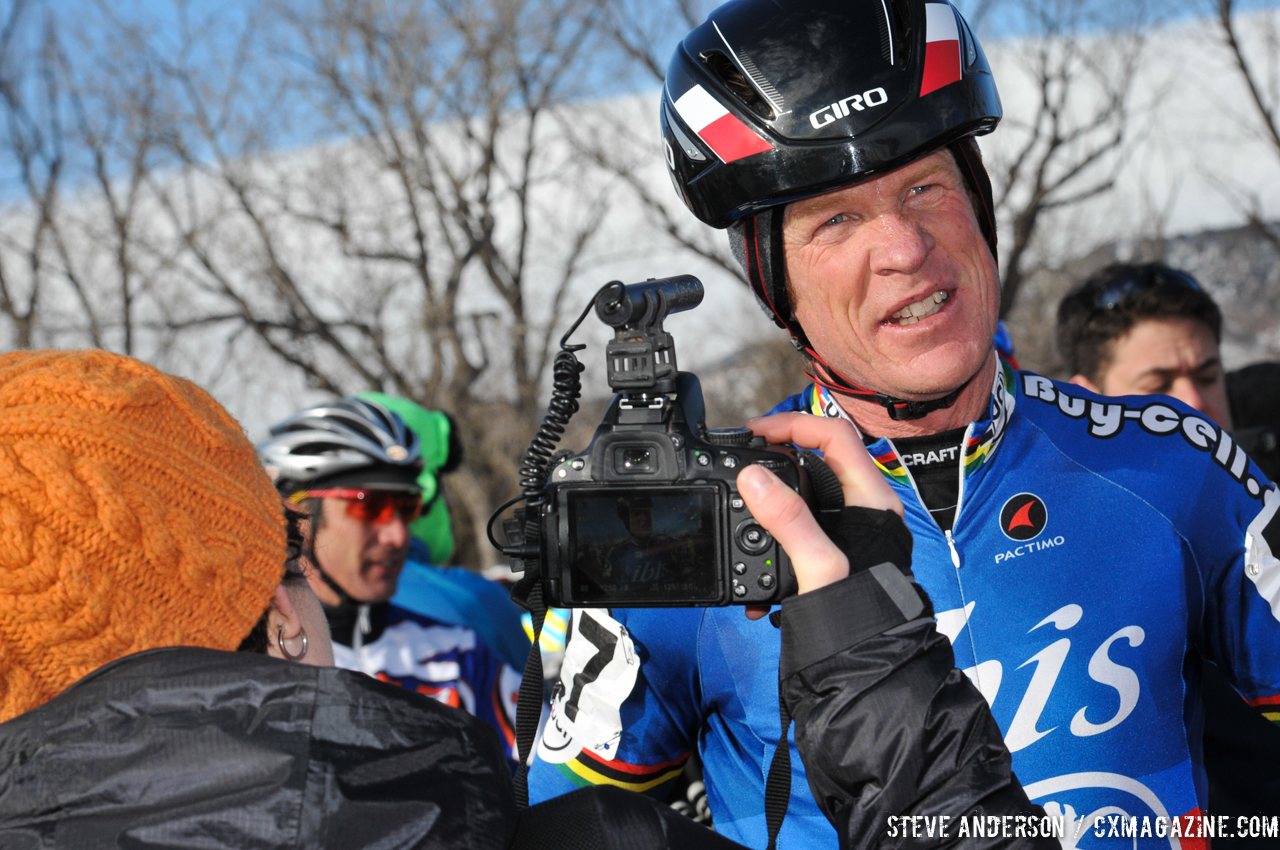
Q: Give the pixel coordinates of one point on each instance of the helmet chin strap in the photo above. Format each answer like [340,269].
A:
[899,409]
[344,598]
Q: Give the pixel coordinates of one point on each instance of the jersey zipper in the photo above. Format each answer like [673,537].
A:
[955,520]
[362,628]
[947,534]
[955,553]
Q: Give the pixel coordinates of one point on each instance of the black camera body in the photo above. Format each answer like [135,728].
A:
[649,514]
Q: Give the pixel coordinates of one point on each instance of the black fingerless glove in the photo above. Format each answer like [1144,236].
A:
[868,537]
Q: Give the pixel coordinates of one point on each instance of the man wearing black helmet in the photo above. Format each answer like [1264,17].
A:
[1077,550]
[354,466]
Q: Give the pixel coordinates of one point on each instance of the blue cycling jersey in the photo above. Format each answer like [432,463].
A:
[1096,544]
[460,597]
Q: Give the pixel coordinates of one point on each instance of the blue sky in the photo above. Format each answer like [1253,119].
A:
[998,17]
[218,24]
[999,20]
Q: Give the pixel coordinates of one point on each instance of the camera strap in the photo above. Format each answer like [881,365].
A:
[529,701]
[777,785]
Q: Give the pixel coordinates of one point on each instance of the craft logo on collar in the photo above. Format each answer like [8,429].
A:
[1023,517]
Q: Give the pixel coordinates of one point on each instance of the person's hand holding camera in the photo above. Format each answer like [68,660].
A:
[858,637]
[817,559]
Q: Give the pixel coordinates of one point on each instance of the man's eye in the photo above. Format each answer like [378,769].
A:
[1208,377]
[835,219]
[920,190]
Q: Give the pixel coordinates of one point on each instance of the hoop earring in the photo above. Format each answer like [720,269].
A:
[284,650]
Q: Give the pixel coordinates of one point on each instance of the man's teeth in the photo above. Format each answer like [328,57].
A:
[923,308]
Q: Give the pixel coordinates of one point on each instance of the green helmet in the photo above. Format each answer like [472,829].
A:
[441,453]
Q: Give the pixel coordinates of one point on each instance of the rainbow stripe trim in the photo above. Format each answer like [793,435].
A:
[978,450]
[891,466]
[587,769]
[979,447]
[818,399]
[1271,702]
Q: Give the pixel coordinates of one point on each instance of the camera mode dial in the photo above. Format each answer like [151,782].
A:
[729,436]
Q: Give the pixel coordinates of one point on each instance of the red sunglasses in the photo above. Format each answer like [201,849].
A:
[377,507]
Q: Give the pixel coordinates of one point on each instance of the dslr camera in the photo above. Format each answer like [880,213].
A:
[649,513]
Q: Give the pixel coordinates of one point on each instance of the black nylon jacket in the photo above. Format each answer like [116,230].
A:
[886,725]
[195,748]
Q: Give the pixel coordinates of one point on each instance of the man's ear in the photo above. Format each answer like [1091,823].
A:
[1081,381]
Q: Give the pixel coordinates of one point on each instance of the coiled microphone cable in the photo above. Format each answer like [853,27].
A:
[566,378]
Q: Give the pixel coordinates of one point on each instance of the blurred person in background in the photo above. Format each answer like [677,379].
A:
[355,466]
[431,584]
[1147,329]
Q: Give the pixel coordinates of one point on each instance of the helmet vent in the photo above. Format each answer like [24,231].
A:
[738,84]
[895,30]
[886,37]
[766,88]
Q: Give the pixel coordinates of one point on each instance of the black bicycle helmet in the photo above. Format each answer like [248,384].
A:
[767,103]
[348,442]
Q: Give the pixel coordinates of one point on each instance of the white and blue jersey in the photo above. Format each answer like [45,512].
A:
[448,634]
[1098,544]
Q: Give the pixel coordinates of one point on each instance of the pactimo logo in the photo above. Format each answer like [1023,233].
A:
[1023,517]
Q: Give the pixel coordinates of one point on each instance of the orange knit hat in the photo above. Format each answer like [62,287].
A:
[133,514]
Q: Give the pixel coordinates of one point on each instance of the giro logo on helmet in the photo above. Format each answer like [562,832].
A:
[840,109]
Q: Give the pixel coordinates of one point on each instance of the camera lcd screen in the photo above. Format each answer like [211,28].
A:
[643,546]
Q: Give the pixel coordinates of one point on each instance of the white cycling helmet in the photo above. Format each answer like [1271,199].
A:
[349,442]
